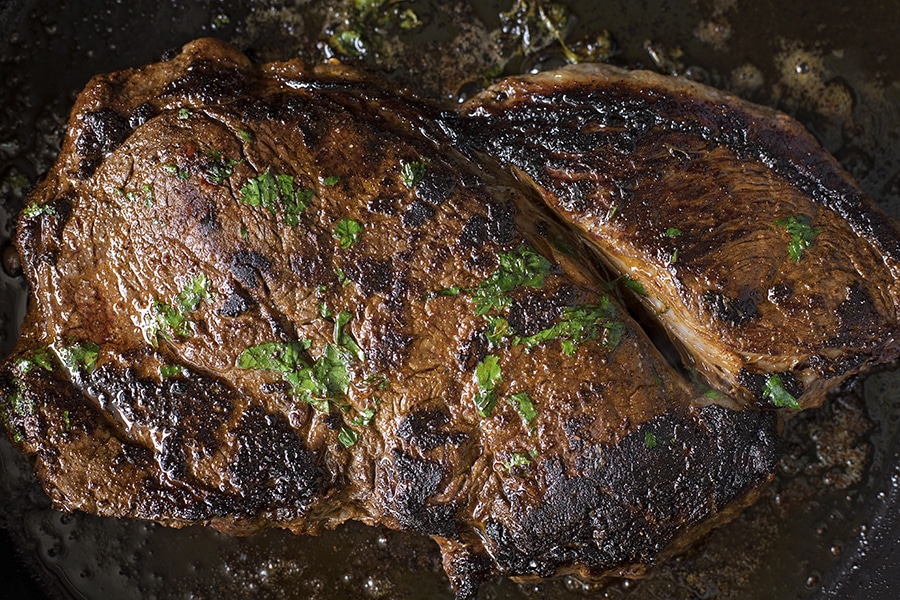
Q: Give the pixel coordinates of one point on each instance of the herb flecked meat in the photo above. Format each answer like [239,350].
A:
[269,295]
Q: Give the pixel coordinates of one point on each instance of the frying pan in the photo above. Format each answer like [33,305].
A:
[828,528]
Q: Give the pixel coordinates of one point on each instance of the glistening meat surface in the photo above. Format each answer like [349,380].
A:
[268,295]
[754,250]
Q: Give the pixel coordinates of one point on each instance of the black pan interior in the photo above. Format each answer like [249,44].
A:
[828,528]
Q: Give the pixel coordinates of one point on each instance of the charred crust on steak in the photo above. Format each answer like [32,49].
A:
[208,82]
[405,491]
[417,214]
[733,311]
[249,267]
[425,429]
[600,517]
[371,275]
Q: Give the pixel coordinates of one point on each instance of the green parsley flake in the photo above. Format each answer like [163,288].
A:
[364,419]
[580,324]
[650,439]
[518,460]
[802,234]
[775,391]
[331,181]
[327,378]
[41,357]
[171,321]
[673,232]
[166,371]
[488,377]
[278,193]
[348,232]
[633,285]
[344,339]
[521,267]
[79,356]
[347,437]
[35,210]
[245,135]
[218,169]
[413,172]
[184,113]
[524,406]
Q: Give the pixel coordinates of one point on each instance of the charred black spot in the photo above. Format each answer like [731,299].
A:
[628,501]
[435,187]
[142,114]
[829,367]
[384,206]
[236,304]
[424,429]
[778,293]
[246,265]
[417,214]
[371,275]
[103,131]
[467,570]
[313,269]
[87,167]
[857,309]
[272,467]
[532,313]
[208,81]
[729,310]
[473,351]
[474,233]
[414,481]
[390,344]
[501,222]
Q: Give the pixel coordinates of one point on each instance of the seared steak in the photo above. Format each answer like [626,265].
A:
[765,263]
[268,295]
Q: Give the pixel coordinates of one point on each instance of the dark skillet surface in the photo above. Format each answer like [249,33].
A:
[827,541]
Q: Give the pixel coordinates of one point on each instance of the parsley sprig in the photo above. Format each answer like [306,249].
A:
[802,234]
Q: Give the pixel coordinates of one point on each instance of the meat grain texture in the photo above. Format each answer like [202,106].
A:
[281,296]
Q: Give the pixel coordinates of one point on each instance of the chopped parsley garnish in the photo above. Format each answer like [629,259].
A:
[344,339]
[166,371]
[674,258]
[775,391]
[348,232]
[245,135]
[278,193]
[673,232]
[409,19]
[518,460]
[80,355]
[413,172]
[580,324]
[347,437]
[219,169]
[364,419]
[67,420]
[174,170]
[171,320]
[524,406]
[41,357]
[521,267]
[34,210]
[802,234]
[349,43]
[327,378]
[650,439]
[488,377]
[498,330]
[633,285]
[184,113]
[331,181]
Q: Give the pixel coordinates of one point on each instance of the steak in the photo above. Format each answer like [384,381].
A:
[773,273]
[281,296]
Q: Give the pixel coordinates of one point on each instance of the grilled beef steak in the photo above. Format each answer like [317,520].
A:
[759,256]
[278,296]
